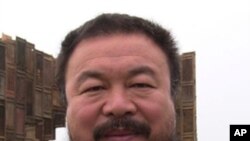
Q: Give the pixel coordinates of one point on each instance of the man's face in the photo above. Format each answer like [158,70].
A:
[118,89]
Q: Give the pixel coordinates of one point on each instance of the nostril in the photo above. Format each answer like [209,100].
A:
[119,107]
[118,112]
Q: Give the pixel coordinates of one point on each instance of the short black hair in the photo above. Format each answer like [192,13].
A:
[109,24]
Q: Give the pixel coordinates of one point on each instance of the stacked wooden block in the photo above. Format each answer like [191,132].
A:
[30,105]
[186,100]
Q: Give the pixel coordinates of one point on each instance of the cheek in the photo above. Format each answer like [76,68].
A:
[81,113]
[158,111]
[81,117]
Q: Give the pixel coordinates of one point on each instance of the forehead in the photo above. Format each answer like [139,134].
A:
[116,47]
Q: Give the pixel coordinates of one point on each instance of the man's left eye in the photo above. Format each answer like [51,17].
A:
[141,85]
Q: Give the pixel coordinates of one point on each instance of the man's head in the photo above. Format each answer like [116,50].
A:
[118,75]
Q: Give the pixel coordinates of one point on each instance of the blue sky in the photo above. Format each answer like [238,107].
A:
[217,30]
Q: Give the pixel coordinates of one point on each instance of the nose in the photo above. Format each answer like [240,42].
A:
[119,104]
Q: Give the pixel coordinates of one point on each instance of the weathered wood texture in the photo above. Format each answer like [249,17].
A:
[27,93]
[186,100]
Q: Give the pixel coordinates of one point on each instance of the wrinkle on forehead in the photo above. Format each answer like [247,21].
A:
[115,61]
[114,48]
[118,45]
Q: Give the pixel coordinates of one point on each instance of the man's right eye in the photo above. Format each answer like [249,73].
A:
[94,89]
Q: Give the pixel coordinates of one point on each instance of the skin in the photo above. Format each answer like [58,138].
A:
[101,83]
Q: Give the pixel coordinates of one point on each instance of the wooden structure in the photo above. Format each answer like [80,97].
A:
[30,105]
[186,100]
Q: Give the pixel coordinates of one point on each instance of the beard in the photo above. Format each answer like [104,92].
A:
[167,133]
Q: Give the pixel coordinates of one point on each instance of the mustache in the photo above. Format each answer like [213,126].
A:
[126,123]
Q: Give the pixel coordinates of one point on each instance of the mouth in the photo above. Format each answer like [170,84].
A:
[122,129]
[119,135]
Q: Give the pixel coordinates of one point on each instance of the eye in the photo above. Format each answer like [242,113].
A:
[141,85]
[94,89]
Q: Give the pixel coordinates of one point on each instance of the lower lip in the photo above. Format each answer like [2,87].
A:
[119,138]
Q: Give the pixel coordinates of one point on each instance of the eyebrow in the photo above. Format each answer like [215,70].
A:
[89,74]
[141,70]
[101,76]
